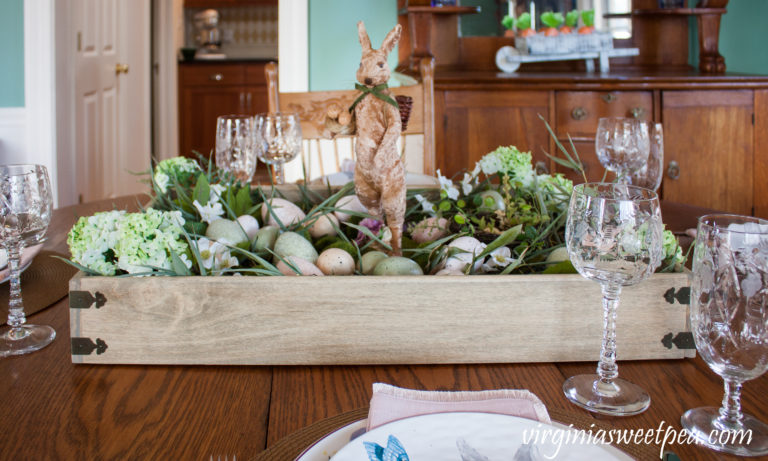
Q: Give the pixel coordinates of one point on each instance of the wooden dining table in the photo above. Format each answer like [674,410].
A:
[54,409]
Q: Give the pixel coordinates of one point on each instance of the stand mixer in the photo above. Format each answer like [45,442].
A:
[208,35]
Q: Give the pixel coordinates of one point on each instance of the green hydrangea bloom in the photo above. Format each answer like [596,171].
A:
[92,240]
[511,162]
[116,240]
[180,168]
[673,253]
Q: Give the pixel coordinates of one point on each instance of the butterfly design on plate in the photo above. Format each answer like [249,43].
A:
[394,451]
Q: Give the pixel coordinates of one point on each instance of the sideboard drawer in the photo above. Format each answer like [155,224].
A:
[578,112]
[212,75]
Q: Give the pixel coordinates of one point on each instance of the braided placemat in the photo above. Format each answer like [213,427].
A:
[44,283]
[288,448]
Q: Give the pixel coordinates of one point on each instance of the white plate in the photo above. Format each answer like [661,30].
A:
[436,437]
[27,255]
[323,449]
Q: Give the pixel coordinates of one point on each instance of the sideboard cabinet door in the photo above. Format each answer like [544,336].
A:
[709,136]
[477,122]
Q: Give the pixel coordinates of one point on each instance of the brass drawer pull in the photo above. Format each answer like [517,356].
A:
[579,113]
[673,170]
[609,97]
[637,112]
[216,77]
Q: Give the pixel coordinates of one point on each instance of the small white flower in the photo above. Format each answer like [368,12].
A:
[215,255]
[210,212]
[206,250]
[468,183]
[476,171]
[498,259]
[426,205]
[447,186]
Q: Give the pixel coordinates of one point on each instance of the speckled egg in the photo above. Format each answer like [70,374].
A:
[302,265]
[370,260]
[430,229]
[335,261]
[325,225]
[350,203]
[293,244]
[286,212]
[397,265]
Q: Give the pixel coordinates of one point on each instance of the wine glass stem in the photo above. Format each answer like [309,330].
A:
[730,413]
[607,368]
[16,316]
[279,173]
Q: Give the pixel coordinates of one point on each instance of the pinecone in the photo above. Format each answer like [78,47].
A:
[405,103]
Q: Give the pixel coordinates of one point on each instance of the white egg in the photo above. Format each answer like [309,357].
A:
[335,261]
[430,229]
[468,244]
[324,225]
[286,212]
[303,266]
[458,262]
[249,224]
[449,272]
[349,203]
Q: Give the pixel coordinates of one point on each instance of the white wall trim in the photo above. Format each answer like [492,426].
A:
[39,87]
[168,36]
[293,44]
[12,123]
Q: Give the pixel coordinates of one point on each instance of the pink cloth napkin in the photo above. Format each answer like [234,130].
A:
[390,403]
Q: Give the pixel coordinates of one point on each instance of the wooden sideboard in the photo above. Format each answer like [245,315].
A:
[715,126]
[208,89]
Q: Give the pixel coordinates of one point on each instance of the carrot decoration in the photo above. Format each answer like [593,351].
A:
[588,18]
[523,25]
[570,22]
[552,21]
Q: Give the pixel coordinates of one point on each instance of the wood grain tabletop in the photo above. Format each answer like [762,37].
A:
[53,409]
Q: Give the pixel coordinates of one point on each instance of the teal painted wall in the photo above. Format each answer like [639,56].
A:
[12,53]
[743,36]
[334,51]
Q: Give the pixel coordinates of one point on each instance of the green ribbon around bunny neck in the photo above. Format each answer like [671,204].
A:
[376,91]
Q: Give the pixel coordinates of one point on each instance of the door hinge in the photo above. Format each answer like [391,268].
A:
[79,41]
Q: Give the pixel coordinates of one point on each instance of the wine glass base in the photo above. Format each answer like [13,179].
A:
[618,398]
[25,339]
[703,424]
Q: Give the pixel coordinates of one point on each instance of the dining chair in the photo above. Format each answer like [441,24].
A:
[322,156]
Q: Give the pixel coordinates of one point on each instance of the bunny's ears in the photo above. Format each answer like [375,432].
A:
[389,41]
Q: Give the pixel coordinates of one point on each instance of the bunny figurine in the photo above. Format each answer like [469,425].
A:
[379,171]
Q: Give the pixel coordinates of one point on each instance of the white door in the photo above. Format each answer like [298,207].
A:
[112,96]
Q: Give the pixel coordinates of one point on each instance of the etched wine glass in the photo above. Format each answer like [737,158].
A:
[613,235]
[25,212]
[235,150]
[729,319]
[651,173]
[278,141]
[622,145]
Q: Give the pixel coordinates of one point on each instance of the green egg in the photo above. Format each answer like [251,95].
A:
[397,265]
[293,244]
[371,259]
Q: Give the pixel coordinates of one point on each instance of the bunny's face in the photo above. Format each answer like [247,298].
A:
[373,68]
